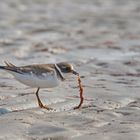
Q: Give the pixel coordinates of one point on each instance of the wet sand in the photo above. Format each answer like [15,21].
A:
[101,39]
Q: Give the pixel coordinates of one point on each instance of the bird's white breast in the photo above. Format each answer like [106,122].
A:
[46,80]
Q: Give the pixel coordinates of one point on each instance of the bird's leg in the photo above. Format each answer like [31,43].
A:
[39,101]
[81,94]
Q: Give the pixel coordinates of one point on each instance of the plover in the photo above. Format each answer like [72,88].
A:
[42,76]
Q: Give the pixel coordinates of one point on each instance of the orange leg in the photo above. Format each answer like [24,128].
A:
[39,101]
[81,94]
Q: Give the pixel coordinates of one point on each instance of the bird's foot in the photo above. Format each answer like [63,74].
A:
[44,106]
[77,107]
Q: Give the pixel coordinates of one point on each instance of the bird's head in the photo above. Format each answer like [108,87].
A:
[67,68]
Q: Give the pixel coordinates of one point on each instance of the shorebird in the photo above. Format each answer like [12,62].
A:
[40,76]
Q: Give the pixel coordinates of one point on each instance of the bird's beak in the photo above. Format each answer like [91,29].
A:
[75,73]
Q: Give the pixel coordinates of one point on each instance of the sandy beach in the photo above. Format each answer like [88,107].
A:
[101,39]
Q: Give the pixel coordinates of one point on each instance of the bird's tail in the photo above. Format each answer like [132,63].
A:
[8,66]
[3,67]
[10,69]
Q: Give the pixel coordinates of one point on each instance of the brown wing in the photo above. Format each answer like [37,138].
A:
[37,69]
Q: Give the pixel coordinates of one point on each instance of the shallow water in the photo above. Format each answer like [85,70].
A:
[101,39]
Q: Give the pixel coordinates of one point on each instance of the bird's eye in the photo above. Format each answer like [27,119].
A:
[68,69]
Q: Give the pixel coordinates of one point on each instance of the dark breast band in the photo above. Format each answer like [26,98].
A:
[59,73]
